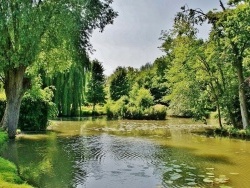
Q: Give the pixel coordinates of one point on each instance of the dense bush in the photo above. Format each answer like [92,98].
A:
[116,109]
[36,109]
[124,109]
[157,112]
[34,114]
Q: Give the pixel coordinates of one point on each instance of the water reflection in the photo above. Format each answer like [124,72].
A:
[136,154]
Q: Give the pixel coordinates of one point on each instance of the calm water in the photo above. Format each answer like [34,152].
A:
[133,154]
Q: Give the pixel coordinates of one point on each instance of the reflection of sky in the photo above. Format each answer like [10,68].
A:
[118,162]
[133,38]
[132,162]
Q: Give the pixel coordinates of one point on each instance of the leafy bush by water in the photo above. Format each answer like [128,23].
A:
[138,105]
[233,132]
[121,109]
[36,109]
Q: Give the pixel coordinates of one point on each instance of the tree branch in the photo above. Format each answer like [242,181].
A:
[222,6]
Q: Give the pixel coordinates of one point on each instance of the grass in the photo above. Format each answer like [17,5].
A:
[87,110]
[8,171]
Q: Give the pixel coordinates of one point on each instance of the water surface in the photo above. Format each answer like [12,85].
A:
[134,154]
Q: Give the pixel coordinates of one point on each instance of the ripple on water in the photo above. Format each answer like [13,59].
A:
[104,159]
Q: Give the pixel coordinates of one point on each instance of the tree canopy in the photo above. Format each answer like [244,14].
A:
[43,34]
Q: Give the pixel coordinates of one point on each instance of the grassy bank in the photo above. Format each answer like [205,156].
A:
[8,171]
[87,111]
[229,131]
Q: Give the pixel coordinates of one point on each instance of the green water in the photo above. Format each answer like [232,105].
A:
[133,154]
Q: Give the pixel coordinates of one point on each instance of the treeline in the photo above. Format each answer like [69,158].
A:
[137,94]
[194,78]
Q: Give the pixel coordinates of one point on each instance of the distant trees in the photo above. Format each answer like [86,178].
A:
[119,84]
[131,96]
[95,88]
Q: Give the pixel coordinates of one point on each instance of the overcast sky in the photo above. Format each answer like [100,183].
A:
[133,39]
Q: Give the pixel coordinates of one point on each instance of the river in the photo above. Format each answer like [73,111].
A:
[130,154]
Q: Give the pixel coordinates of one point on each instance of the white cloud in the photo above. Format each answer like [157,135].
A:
[134,37]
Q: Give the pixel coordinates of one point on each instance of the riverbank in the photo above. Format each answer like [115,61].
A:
[228,131]
[9,177]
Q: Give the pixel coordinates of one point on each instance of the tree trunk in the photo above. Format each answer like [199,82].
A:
[93,110]
[14,90]
[219,114]
[242,96]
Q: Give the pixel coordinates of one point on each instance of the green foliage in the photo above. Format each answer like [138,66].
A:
[119,84]
[140,97]
[95,87]
[88,110]
[115,109]
[34,114]
[139,105]
[157,112]
[46,36]
[9,175]
[233,132]
[225,65]
[3,139]
[36,109]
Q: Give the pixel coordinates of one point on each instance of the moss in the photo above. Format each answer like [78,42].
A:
[8,172]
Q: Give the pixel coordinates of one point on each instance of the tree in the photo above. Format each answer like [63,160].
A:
[152,77]
[119,84]
[95,89]
[39,30]
[71,81]
[197,77]
[231,30]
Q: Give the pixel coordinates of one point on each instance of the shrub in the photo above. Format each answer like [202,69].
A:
[144,98]
[116,109]
[139,108]
[158,112]
[133,112]
[33,114]
[36,109]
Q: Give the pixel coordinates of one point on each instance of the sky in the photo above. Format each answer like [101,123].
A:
[133,38]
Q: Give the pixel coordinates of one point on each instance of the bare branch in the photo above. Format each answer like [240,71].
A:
[222,6]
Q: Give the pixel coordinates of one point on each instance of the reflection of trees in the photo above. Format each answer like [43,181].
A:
[42,163]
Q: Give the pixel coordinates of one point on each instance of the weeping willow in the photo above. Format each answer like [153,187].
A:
[69,88]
